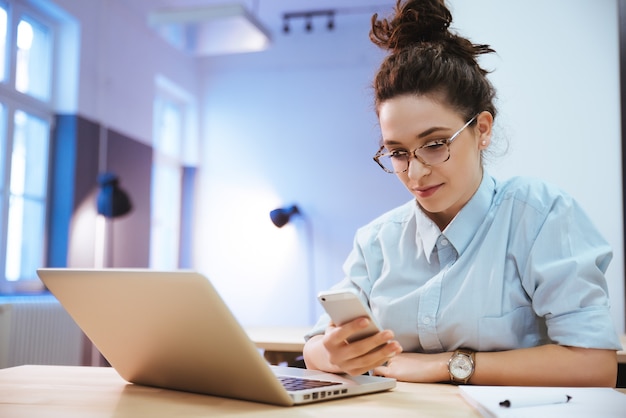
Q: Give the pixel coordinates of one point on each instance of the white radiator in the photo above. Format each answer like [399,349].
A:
[38,330]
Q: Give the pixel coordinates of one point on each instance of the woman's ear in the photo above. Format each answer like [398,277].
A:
[484,123]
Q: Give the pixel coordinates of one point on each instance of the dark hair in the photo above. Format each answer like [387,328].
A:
[426,58]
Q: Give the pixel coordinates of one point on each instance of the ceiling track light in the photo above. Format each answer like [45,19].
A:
[286,27]
[308,17]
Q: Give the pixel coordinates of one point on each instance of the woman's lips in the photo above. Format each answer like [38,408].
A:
[425,192]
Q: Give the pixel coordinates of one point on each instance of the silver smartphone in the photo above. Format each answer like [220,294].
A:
[344,306]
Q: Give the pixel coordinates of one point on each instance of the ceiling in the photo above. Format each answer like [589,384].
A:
[270,12]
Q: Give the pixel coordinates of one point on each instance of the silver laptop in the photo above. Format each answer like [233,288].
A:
[172,330]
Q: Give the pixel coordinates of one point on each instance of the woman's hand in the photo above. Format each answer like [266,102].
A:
[414,367]
[331,352]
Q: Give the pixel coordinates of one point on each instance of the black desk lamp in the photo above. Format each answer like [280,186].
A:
[280,217]
[112,201]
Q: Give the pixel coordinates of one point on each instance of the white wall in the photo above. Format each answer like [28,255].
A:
[295,124]
[291,125]
[120,59]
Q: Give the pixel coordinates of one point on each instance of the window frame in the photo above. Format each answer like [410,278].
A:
[14,101]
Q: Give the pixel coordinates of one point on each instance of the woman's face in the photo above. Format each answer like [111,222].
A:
[408,122]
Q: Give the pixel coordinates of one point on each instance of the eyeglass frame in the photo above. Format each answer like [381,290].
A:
[413,154]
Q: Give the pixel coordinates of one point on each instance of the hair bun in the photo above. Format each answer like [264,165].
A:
[413,22]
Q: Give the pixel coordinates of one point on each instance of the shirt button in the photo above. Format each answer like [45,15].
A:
[444,242]
[426,320]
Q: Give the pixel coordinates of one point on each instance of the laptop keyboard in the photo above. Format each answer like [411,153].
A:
[295,383]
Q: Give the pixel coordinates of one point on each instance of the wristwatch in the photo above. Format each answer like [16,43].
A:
[461,365]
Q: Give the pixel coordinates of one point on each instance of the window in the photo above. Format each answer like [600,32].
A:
[175,153]
[27,196]
[26,112]
[3,41]
[169,115]
[32,63]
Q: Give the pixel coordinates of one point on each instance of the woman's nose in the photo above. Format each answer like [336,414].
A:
[417,168]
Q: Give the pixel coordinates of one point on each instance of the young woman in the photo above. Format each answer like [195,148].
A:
[474,280]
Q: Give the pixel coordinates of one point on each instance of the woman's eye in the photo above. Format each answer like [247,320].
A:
[434,146]
[398,154]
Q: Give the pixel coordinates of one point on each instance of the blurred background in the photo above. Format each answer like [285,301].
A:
[210,114]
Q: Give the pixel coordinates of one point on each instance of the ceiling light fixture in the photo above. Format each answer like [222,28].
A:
[308,17]
[211,30]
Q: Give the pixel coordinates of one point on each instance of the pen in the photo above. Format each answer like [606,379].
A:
[535,400]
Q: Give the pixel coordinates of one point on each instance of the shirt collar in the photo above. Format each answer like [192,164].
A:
[464,225]
[427,232]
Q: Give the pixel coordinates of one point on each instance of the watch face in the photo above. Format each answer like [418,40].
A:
[461,366]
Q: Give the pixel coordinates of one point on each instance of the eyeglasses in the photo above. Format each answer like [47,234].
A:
[432,153]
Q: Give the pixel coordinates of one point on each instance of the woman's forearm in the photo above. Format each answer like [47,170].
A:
[548,365]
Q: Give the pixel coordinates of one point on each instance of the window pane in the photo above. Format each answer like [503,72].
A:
[166,184]
[3,42]
[28,186]
[25,238]
[3,143]
[29,160]
[169,128]
[166,191]
[3,152]
[33,66]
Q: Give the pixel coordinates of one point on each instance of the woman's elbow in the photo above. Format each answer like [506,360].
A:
[609,377]
[600,369]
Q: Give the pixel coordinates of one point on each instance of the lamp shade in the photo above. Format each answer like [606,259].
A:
[280,217]
[112,201]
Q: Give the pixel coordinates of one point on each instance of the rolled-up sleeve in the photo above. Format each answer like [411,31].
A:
[565,278]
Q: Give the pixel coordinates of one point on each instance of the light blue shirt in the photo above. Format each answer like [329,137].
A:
[520,265]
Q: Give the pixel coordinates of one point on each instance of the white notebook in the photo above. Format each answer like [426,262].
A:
[584,402]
